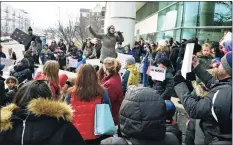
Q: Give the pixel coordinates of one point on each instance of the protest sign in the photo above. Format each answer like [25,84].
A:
[157,73]
[21,37]
[187,62]
[72,62]
[7,62]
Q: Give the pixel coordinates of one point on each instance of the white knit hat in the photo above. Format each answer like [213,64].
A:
[162,43]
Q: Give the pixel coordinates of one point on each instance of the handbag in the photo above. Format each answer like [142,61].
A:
[104,124]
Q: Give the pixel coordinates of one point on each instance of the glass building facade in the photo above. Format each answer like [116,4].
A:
[205,20]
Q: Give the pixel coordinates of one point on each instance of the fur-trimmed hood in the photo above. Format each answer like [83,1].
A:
[200,55]
[37,107]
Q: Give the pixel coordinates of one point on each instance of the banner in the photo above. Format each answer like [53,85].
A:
[157,73]
[72,62]
[187,62]
[7,62]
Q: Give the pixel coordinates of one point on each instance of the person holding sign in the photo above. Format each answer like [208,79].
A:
[214,110]
[165,88]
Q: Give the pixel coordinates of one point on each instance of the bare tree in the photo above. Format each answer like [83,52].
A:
[76,30]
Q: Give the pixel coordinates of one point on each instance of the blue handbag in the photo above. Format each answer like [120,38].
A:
[104,124]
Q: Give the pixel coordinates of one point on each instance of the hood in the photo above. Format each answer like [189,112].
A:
[62,79]
[200,55]
[142,114]
[108,29]
[37,107]
[132,68]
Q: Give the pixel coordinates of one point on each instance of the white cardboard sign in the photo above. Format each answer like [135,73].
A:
[187,62]
[122,58]
[157,73]
[72,63]
[7,62]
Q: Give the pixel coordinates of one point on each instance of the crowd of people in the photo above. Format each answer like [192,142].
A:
[51,108]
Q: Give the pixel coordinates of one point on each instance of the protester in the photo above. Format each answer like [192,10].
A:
[153,50]
[12,54]
[171,125]
[50,74]
[127,50]
[142,120]
[119,48]
[29,57]
[137,52]
[174,54]
[2,54]
[72,49]
[46,54]
[89,51]
[53,46]
[109,42]
[131,75]
[33,38]
[85,43]
[213,111]
[11,83]
[39,49]
[145,62]
[162,52]
[62,45]
[97,46]
[165,88]
[205,57]
[33,48]
[111,80]
[34,118]
[22,70]
[83,97]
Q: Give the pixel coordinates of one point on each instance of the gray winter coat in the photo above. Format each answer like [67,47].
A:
[109,43]
[142,119]
[214,111]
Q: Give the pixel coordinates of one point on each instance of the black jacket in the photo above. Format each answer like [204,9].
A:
[62,47]
[142,119]
[137,53]
[173,128]
[218,103]
[2,91]
[48,123]
[10,95]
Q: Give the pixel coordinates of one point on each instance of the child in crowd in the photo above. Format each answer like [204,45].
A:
[171,125]
[131,76]
[165,88]
[205,56]
[11,83]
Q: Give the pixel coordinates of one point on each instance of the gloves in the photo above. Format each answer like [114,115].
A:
[178,78]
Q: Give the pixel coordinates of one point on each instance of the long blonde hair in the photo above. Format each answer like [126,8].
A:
[51,70]
[162,48]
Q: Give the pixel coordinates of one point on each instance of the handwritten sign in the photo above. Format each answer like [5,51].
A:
[7,62]
[187,62]
[72,63]
[157,73]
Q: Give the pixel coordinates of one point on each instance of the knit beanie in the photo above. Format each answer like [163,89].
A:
[170,109]
[228,46]
[227,62]
[130,60]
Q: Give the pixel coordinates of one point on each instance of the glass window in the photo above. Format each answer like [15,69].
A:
[159,36]
[210,34]
[168,34]
[179,13]
[177,35]
[190,13]
[215,14]
[188,33]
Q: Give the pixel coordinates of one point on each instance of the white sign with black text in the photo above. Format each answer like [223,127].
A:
[7,62]
[157,73]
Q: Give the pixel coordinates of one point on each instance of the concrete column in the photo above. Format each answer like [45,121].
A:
[122,15]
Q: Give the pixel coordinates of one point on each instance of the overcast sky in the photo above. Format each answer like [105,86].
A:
[46,14]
